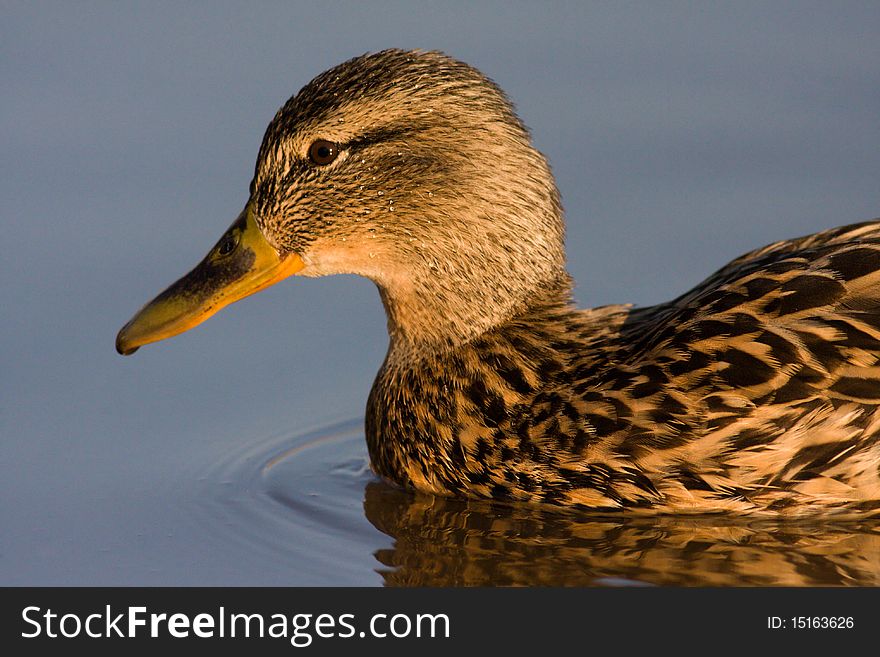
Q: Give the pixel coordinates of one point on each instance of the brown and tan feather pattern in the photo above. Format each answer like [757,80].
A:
[755,392]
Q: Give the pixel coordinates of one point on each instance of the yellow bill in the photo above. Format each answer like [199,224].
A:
[241,263]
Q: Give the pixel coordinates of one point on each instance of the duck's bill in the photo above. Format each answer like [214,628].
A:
[241,263]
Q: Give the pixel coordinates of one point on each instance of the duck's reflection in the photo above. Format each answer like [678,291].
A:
[440,542]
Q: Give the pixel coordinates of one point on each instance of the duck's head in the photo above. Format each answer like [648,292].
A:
[409,168]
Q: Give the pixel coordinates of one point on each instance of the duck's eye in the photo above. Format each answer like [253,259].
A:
[323,152]
[227,243]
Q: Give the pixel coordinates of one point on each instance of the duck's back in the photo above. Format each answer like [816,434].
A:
[756,391]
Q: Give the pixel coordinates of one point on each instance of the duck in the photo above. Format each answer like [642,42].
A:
[754,393]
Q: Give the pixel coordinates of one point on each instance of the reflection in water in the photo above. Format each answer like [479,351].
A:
[441,542]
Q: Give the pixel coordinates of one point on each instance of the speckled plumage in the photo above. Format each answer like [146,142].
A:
[756,392]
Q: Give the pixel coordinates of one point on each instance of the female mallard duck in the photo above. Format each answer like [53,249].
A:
[755,392]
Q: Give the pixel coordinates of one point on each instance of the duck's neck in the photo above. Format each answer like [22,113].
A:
[432,317]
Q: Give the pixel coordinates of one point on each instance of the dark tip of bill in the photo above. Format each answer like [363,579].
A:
[122,350]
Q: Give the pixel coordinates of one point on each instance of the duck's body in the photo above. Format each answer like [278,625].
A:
[756,392]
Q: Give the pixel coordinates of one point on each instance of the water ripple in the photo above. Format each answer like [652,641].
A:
[296,501]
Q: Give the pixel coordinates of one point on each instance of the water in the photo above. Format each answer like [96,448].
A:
[232,455]
[295,501]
